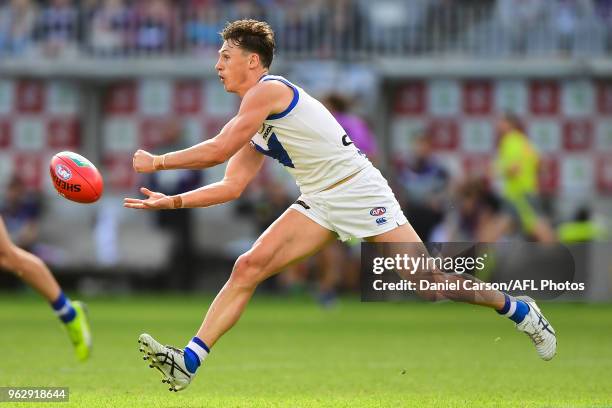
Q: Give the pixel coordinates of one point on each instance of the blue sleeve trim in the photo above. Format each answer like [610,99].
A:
[294,101]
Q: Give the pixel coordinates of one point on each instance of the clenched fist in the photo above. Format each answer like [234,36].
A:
[145,162]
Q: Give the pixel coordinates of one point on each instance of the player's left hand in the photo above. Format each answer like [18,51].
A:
[154,201]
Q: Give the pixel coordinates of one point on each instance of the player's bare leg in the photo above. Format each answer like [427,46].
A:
[33,271]
[27,267]
[405,233]
[522,310]
[290,238]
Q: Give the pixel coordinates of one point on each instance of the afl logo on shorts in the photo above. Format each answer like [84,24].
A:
[378,211]
[63,172]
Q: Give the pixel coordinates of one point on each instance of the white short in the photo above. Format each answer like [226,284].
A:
[361,207]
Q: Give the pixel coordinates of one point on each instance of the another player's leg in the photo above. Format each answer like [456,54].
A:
[290,238]
[35,273]
[330,262]
[522,310]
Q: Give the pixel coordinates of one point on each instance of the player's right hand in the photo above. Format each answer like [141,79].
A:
[143,162]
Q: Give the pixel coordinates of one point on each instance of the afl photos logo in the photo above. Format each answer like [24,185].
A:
[63,172]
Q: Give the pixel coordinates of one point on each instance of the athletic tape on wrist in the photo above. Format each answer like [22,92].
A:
[159,162]
[177,201]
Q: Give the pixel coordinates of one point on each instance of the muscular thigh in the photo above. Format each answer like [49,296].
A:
[290,238]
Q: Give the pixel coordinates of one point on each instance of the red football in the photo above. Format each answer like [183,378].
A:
[76,178]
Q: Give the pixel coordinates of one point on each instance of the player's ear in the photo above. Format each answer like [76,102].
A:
[253,60]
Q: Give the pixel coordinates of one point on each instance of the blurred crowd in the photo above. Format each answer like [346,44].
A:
[314,28]
[443,205]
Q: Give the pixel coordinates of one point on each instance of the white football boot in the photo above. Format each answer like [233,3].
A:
[538,329]
[168,360]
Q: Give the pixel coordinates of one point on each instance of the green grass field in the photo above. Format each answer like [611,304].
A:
[290,353]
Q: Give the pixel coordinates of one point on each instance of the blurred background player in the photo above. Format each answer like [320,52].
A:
[179,223]
[33,271]
[340,108]
[424,185]
[477,216]
[517,166]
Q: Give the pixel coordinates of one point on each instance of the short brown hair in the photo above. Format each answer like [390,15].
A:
[254,36]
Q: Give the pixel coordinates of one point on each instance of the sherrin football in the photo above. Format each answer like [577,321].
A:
[76,178]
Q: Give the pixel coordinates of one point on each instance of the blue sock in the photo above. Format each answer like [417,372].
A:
[195,353]
[514,309]
[63,308]
[192,362]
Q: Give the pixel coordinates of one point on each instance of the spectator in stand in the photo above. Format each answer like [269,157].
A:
[519,18]
[603,11]
[203,23]
[301,25]
[342,18]
[291,30]
[424,183]
[154,28]
[567,16]
[109,25]
[58,29]
[517,168]
[17,20]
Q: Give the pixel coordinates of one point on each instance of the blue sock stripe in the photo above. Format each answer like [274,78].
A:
[68,317]
[200,343]
[59,302]
[63,308]
[506,307]
[521,311]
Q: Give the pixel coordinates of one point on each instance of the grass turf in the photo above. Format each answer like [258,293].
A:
[290,353]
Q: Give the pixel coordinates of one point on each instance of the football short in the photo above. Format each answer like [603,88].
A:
[362,206]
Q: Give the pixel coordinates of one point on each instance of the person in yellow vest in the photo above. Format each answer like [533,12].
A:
[517,166]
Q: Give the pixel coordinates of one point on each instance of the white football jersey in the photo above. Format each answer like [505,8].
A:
[309,142]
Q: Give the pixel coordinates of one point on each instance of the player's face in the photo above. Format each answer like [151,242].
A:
[232,66]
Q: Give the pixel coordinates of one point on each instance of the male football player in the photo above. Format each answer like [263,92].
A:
[342,193]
